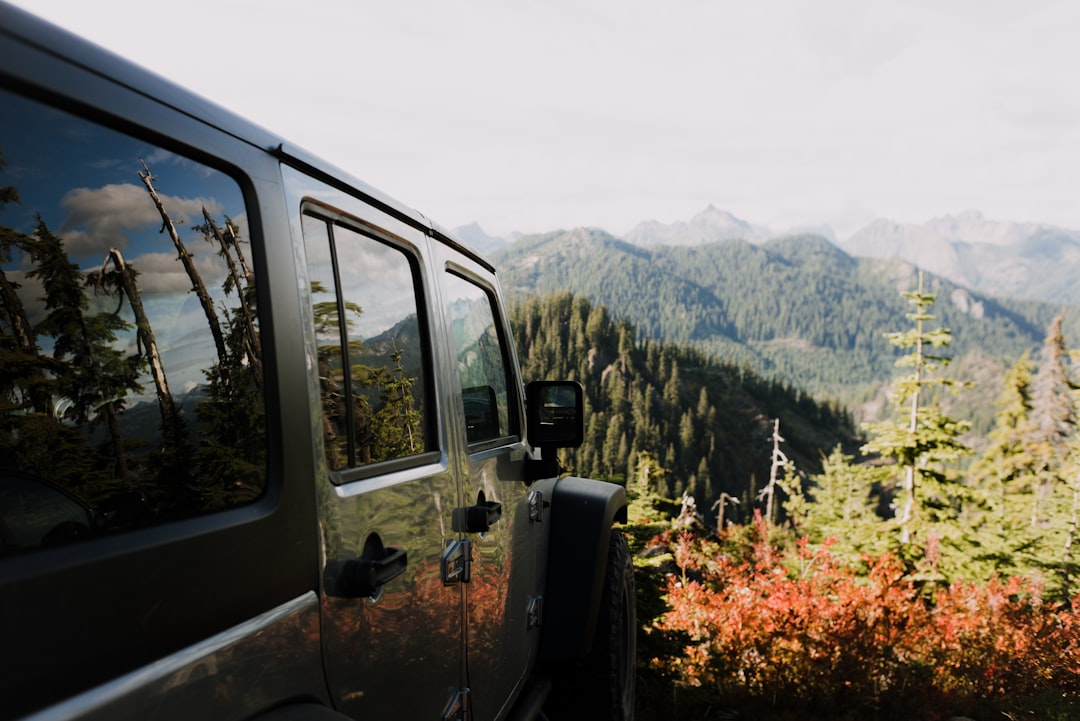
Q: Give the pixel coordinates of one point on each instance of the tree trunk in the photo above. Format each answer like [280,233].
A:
[196,280]
[169,414]
[252,345]
[25,339]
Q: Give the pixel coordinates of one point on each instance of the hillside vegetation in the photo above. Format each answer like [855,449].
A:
[906,577]
[707,422]
[795,308]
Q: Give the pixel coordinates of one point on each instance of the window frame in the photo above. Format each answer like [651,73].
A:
[322,212]
[221,156]
[515,423]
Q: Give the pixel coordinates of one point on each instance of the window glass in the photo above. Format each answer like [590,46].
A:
[131,381]
[372,359]
[481,362]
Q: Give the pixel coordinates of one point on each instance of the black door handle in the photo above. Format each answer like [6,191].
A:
[360,577]
[477,519]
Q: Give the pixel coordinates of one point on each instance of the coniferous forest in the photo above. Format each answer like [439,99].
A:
[794,308]
[793,563]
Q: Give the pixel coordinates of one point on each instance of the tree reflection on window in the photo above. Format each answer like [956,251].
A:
[481,361]
[131,376]
[369,347]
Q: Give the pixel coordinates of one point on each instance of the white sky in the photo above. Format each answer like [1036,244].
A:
[535,115]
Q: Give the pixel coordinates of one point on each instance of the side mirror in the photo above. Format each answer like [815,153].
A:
[555,413]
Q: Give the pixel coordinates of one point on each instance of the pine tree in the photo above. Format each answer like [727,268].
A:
[397,424]
[97,377]
[1053,415]
[1055,503]
[1005,478]
[923,438]
[841,506]
[1067,522]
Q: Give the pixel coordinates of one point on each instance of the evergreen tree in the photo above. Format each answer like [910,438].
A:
[1005,478]
[842,506]
[397,424]
[922,439]
[1055,498]
[97,377]
[1065,526]
[1053,415]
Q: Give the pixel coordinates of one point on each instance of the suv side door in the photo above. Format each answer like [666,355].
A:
[160,536]
[391,603]
[503,595]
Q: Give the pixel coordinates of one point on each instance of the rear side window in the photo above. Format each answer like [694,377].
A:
[131,375]
[372,354]
[481,362]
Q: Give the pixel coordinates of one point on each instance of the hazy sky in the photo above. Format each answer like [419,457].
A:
[546,114]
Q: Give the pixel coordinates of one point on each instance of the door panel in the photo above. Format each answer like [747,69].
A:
[392,629]
[503,590]
[396,653]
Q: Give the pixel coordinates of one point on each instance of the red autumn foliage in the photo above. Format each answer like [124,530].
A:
[802,627]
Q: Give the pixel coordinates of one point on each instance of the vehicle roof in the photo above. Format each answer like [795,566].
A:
[23,27]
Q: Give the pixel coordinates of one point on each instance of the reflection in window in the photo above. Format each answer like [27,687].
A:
[370,350]
[481,362]
[130,351]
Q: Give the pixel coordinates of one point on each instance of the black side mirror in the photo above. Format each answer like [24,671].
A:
[555,413]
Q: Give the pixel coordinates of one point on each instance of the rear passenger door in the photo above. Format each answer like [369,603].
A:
[502,597]
[391,603]
[151,522]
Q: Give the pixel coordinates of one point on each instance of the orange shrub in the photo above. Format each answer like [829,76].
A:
[801,628]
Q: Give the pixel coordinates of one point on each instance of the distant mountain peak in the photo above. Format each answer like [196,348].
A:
[711,225]
[1022,260]
[475,237]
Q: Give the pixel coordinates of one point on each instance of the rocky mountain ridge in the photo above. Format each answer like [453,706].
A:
[1030,261]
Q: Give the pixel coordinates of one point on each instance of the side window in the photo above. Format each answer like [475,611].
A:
[131,382]
[372,356]
[481,362]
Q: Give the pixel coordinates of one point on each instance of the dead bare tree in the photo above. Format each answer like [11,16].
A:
[189,265]
[124,281]
[779,461]
[238,279]
[721,503]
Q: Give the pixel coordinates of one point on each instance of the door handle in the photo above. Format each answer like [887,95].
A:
[477,519]
[365,576]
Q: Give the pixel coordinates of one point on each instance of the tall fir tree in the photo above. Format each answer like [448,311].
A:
[1004,479]
[922,439]
[1053,414]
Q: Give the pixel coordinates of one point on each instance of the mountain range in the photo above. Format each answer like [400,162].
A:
[797,308]
[1018,260]
[1033,261]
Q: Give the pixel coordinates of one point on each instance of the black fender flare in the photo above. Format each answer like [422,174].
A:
[581,515]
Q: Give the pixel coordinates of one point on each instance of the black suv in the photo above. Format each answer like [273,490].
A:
[264,448]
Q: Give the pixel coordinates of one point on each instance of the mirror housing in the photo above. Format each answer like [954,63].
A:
[555,414]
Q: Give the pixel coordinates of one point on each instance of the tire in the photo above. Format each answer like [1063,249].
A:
[602,685]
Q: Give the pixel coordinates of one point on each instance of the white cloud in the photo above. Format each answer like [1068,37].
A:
[101,218]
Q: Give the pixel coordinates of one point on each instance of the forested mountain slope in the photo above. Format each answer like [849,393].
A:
[797,307]
[708,424]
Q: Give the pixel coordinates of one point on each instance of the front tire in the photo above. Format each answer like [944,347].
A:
[602,685]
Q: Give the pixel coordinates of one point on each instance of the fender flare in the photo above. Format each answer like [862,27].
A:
[581,515]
